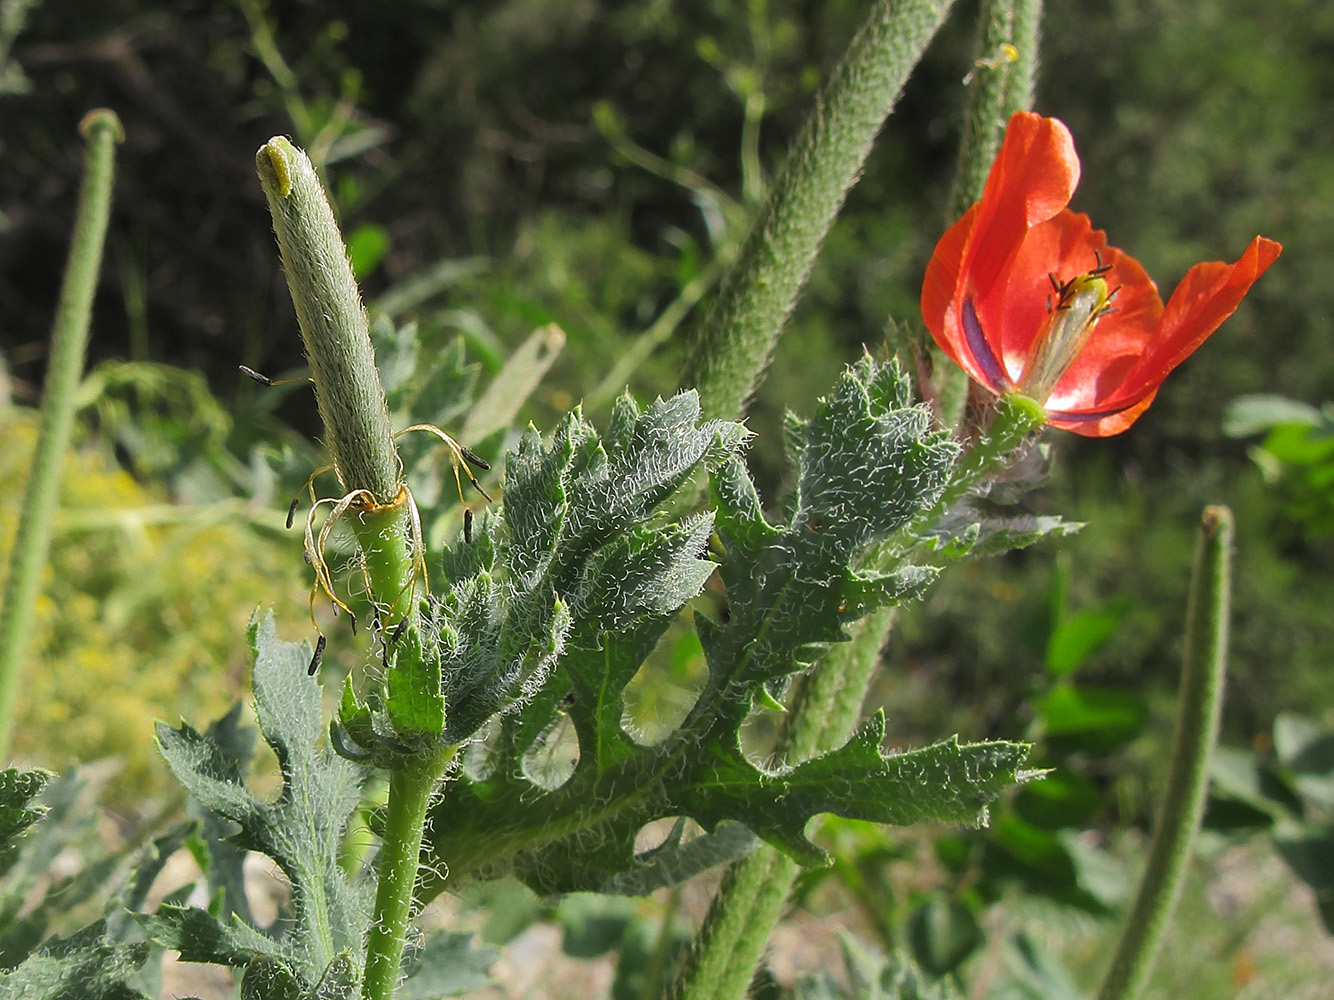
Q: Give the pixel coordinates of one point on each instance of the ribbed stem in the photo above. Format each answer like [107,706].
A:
[69,340]
[1182,806]
[734,341]
[730,944]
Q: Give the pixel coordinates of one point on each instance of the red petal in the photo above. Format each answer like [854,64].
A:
[941,285]
[1094,426]
[1208,294]
[1033,178]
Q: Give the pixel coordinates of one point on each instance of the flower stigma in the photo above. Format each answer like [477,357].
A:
[1080,303]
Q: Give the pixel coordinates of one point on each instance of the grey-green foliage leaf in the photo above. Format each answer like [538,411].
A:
[945,782]
[133,895]
[870,464]
[871,976]
[969,530]
[85,966]
[222,861]
[18,788]
[301,830]
[575,554]
[32,902]
[107,958]
[447,965]
[341,980]
[675,861]
[269,978]
[67,823]
[204,936]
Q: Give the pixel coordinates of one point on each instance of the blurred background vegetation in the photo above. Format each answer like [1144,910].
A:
[505,164]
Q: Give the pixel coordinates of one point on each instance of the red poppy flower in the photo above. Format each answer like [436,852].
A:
[1026,296]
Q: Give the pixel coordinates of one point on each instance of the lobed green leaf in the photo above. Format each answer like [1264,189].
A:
[301,830]
[581,521]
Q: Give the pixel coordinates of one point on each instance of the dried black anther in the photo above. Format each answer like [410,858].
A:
[291,511]
[473,460]
[263,380]
[319,655]
[397,634]
[467,525]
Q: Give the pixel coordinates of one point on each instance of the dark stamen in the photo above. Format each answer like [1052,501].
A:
[472,459]
[315,660]
[263,380]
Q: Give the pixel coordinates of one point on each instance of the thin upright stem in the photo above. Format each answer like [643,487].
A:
[737,336]
[69,340]
[1182,806]
[1001,83]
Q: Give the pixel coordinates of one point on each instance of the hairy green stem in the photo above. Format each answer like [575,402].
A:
[734,342]
[410,791]
[1001,83]
[69,340]
[1026,35]
[731,941]
[1182,806]
[348,391]
[662,947]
